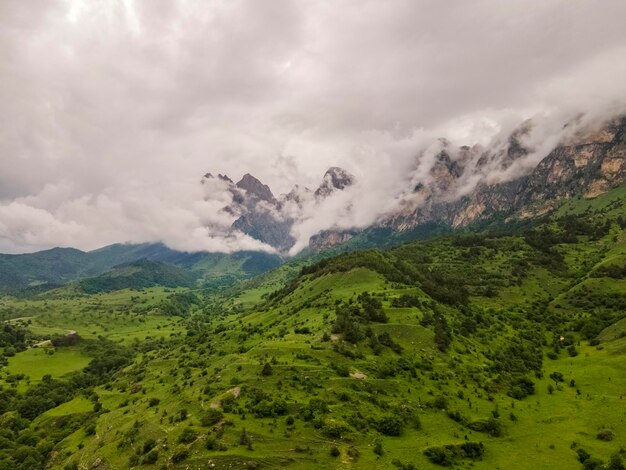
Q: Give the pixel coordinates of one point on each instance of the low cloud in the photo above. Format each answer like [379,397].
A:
[112,111]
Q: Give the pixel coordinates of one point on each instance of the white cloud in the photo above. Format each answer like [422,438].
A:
[113,110]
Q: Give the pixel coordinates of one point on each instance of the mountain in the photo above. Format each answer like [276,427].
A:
[259,214]
[590,163]
[139,274]
[51,268]
[335,179]
[586,163]
[512,179]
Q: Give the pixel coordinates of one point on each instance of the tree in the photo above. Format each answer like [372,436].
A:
[378,447]
[615,463]
[443,336]
[557,377]
[188,435]
[245,439]
[389,426]
[267,370]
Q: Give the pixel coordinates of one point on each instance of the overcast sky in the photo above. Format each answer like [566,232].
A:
[113,110]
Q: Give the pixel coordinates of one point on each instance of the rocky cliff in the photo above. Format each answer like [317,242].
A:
[462,186]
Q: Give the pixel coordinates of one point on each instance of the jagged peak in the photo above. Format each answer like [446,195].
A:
[220,176]
[255,187]
[335,178]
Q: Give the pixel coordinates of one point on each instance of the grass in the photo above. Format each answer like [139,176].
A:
[546,429]
[37,362]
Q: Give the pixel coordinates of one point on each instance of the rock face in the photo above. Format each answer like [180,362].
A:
[328,239]
[268,219]
[587,166]
[587,163]
[255,189]
[334,179]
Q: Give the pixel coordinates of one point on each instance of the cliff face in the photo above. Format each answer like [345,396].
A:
[264,217]
[589,165]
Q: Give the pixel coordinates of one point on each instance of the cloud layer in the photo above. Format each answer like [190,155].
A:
[112,111]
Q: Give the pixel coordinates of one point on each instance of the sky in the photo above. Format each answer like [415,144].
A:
[112,111]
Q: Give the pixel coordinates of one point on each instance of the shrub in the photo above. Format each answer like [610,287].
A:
[153,402]
[148,446]
[615,463]
[378,447]
[582,455]
[334,451]
[593,463]
[150,458]
[334,429]
[521,388]
[605,435]
[180,454]
[245,439]
[211,417]
[90,429]
[267,370]
[440,456]
[447,455]
[188,435]
[389,426]
[490,426]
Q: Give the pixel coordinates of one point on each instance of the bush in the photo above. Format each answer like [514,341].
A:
[180,454]
[605,435]
[521,388]
[188,435]
[90,429]
[378,447]
[211,417]
[151,458]
[593,463]
[440,456]
[153,402]
[245,439]
[490,426]
[334,430]
[389,426]
[447,455]
[615,463]
[148,446]
[334,451]
[267,370]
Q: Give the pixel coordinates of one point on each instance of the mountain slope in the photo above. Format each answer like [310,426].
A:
[139,274]
[51,268]
[460,351]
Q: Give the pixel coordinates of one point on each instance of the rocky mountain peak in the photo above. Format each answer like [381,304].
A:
[220,176]
[297,194]
[335,178]
[254,187]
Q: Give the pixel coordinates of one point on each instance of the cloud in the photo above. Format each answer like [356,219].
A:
[112,111]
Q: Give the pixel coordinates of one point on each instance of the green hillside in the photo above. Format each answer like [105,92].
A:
[476,351]
[139,274]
